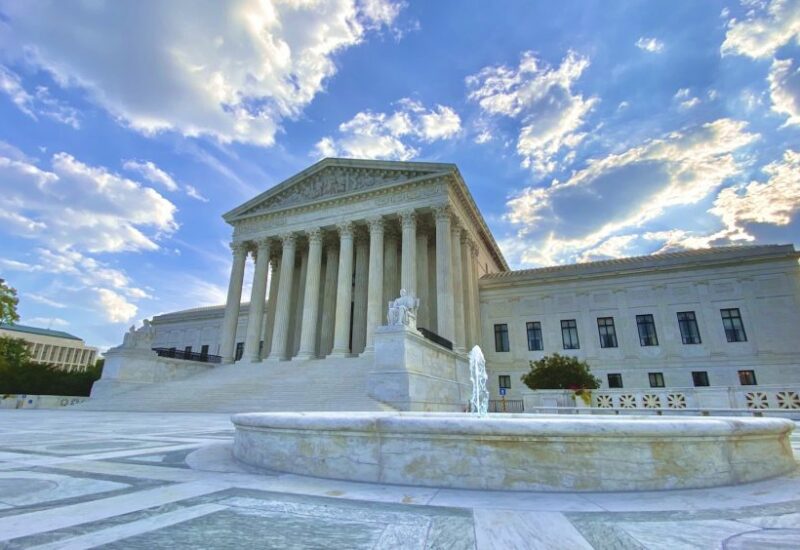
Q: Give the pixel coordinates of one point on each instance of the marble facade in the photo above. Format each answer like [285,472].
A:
[334,244]
[371,228]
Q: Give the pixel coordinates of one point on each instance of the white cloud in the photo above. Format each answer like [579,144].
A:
[44,300]
[621,192]
[114,306]
[231,70]
[686,99]
[195,194]
[652,45]
[784,89]
[391,136]
[774,201]
[763,32]
[83,207]
[617,246]
[40,102]
[541,97]
[152,173]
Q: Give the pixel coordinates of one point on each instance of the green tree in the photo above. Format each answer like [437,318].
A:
[8,304]
[559,372]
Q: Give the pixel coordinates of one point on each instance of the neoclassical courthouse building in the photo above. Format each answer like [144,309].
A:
[332,245]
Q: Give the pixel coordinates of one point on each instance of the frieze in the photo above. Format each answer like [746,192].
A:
[408,196]
[331,182]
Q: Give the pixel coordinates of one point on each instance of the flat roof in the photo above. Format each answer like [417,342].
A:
[39,331]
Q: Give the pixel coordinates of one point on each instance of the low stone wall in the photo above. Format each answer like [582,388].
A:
[412,373]
[21,401]
[126,369]
[518,452]
[780,399]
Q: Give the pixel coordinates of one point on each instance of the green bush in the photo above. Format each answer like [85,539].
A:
[559,372]
[20,375]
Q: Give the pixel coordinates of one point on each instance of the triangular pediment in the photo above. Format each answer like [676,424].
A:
[330,178]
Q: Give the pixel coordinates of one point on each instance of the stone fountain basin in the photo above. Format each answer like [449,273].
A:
[517,451]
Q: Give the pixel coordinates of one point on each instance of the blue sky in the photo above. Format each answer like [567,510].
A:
[585,130]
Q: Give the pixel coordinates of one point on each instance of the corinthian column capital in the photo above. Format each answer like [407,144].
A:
[442,212]
[288,240]
[314,235]
[239,248]
[345,229]
[408,217]
[375,223]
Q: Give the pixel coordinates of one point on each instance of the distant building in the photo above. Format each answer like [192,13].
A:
[53,347]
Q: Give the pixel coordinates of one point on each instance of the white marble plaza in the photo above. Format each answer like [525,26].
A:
[81,479]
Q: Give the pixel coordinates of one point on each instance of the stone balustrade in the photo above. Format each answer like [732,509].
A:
[783,398]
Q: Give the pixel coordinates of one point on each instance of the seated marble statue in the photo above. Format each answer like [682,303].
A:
[139,338]
[403,310]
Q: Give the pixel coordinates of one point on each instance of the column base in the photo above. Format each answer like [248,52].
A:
[340,353]
[304,356]
[226,361]
[272,359]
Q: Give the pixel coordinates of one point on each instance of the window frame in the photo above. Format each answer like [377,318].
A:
[501,329]
[647,320]
[732,320]
[618,376]
[689,324]
[658,377]
[603,330]
[534,326]
[504,378]
[747,373]
[574,327]
[704,377]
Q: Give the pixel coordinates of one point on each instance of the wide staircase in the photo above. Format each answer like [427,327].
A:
[331,384]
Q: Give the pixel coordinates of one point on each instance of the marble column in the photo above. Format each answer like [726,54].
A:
[458,290]
[444,274]
[360,296]
[297,304]
[469,311]
[280,331]
[269,318]
[231,319]
[408,271]
[475,299]
[344,292]
[433,319]
[391,286]
[255,316]
[308,338]
[375,303]
[423,319]
[329,299]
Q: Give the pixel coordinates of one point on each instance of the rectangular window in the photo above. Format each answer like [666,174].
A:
[501,337]
[734,328]
[569,334]
[504,381]
[656,379]
[204,350]
[747,378]
[608,333]
[535,342]
[239,351]
[614,380]
[687,322]
[187,350]
[647,330]
[700,379]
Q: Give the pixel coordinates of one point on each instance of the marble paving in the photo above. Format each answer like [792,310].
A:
[84,479]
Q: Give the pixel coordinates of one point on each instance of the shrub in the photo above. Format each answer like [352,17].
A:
[559,372]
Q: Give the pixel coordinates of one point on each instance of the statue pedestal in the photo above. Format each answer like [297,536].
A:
[128,368]
[412,373]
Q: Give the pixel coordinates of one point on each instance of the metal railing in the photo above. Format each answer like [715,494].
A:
[173,353]
[506,406]
[435,338]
